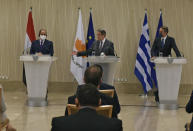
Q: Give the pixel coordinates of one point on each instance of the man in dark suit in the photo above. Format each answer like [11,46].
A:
[162,47]
[88,98]
[104,86]
[99,47]
[42,46]
[189,109]
[163,44]
[93,75]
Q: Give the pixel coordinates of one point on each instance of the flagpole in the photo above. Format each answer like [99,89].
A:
[160,11]
[146,10]
[30,8]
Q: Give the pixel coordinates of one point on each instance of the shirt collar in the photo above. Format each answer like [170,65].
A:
[42,41]
[103,40]
[164,37]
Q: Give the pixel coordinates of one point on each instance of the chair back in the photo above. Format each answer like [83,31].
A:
[109,92]
[104,110]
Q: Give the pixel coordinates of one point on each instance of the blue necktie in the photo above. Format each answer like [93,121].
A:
[162,43]
[41,43]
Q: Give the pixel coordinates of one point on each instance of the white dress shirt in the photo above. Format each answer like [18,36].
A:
[164,38]
[102,43]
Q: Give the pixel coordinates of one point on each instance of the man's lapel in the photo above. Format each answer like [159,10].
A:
[159,43]
[166,41]
[104,45]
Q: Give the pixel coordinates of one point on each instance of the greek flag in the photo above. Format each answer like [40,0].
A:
[143,66]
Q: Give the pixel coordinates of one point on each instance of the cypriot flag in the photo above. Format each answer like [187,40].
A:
[78,64]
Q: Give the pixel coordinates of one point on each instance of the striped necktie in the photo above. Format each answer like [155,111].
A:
[162,43]
[101,45]
[41,43]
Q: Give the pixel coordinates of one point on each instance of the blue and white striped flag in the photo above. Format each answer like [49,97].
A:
[143,66]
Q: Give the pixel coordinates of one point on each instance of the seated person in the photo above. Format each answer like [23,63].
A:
[93,75]
[3,115]
[189,109]
[87,99]
[104,86]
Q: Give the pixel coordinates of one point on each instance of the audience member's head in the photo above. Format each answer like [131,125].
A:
[93,75]
[88,95]
[101,69]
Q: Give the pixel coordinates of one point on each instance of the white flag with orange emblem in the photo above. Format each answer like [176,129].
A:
[78,64]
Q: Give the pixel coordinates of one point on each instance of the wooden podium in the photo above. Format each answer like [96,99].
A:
[108,64]
[168,71]
[37,71]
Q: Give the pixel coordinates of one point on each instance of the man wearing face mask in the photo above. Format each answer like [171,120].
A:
[102,46]
[42,46]
[163,44]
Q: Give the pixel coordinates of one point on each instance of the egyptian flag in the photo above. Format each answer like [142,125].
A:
[29,38]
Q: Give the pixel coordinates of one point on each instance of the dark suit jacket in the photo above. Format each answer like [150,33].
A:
[46,49]
[189,109]
[86,120]
[116,105]
[108,49]
[169,44]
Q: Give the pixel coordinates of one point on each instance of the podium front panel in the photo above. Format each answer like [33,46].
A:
[37,74]
[168,71]
[108,64]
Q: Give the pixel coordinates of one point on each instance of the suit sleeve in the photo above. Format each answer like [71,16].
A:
[109,101]
[120,128]
[32,50]
[153,49]
[117,125]
[87,52]
[53,125]
[112,49]
[66,112]
[189,106]
[51,49]
[116,103]
[175,48]
[82,53]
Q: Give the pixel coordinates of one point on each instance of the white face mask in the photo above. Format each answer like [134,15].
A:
[42,37]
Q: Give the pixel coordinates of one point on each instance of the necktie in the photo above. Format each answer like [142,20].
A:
[101,45]
[41,43]
[162,43]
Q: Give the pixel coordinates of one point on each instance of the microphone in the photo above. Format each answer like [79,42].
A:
[116,53]
[113,50]
[182,54]
[26,51]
